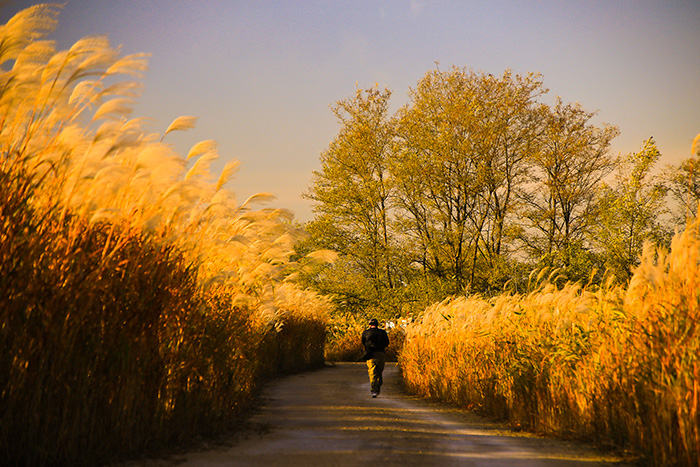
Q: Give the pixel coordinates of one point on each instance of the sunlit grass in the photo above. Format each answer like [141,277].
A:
[140,302]
[617,366]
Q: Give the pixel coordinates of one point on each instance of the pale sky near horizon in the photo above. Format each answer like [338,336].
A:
[261,75]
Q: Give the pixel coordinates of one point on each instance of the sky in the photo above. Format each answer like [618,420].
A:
[261,76]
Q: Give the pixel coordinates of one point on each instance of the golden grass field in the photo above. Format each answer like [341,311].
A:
[141,303]
[618,366]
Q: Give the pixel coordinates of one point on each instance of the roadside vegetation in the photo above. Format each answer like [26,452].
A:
[140,304]
[618,366]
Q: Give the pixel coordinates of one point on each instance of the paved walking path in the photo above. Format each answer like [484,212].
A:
[327,418]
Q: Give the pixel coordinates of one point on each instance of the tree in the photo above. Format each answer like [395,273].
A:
[351,191]
[436,199]
[629,212]
[683,183]
[571,160]
[462,143]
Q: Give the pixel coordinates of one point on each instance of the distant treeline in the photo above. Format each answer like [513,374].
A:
[474,184]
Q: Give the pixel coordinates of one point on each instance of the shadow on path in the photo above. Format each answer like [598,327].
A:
[327,418]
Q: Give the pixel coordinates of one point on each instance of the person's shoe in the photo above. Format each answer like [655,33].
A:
[374,394]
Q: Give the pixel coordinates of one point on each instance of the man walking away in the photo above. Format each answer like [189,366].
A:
[375,341]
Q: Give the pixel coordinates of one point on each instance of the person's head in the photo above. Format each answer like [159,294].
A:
[373,323]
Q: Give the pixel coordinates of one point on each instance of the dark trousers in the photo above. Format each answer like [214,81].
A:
[375,367]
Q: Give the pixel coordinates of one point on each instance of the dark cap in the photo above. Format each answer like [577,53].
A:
[373,322]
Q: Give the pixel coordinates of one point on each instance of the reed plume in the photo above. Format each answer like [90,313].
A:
[139,299]
[613,365]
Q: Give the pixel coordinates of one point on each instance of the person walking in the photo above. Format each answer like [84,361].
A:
[375,341]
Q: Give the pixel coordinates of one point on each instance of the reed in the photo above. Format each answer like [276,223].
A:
[615,366]
[139,300]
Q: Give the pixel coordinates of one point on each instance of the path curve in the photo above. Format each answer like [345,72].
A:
[327,418]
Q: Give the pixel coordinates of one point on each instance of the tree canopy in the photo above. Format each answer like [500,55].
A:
[473,184]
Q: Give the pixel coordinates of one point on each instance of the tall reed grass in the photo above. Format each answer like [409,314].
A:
[620,367]
[140,304]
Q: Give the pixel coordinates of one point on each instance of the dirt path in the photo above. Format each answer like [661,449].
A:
[327,418]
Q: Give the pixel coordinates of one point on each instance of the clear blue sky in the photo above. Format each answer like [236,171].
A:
[261,75]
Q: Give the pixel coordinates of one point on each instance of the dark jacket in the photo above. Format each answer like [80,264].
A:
[375,339]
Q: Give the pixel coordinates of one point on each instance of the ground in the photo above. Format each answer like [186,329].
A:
[328,418]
